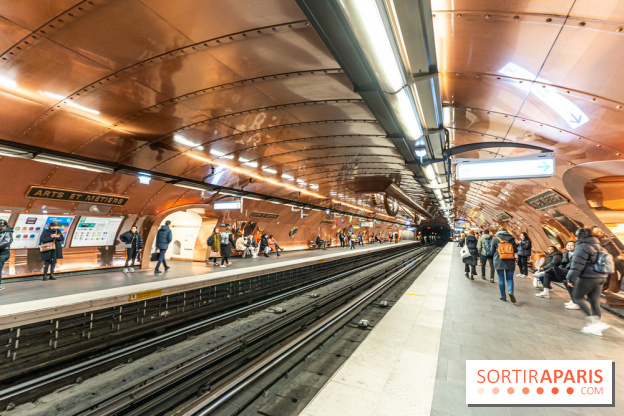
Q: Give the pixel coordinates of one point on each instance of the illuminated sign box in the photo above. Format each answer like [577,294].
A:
[504,168]
[227,205]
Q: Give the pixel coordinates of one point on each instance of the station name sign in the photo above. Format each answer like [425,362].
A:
[57,194]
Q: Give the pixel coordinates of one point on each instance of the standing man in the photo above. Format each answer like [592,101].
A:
[484,247]
[6,238]
[134,243]
[504,248]
[163,238]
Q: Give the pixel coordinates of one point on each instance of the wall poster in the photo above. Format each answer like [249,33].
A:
[96,231]
[28,228]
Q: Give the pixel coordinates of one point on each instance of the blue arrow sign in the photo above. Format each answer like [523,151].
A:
[544,167]
[576,119]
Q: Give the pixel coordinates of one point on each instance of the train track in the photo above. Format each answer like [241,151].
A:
[210,375]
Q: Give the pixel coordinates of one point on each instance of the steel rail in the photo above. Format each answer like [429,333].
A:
[76,370]
[221,396]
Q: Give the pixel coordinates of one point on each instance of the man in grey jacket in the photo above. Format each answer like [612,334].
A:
[6,238]
[484,247]
[505,266]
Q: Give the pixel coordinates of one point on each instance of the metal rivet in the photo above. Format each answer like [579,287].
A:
[618,107]
[582,24]
[548,20]
[618,30]
[487,16]
[459,15]
[516,17]
[593,99]
[598,145]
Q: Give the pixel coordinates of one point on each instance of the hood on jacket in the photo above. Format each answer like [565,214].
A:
[471,237]
[485,236]
[504,235]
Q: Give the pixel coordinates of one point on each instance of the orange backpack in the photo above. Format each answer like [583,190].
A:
[505,250]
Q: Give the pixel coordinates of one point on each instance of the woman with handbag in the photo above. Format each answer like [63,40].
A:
[134,243]
[470,260]
[51,248]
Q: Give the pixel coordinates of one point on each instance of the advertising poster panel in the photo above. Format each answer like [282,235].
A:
[28,228]
[96,231]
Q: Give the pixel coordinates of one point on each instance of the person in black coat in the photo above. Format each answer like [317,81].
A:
[524,252]
[49,257]
[134,243]
[558,274]
[471,262]
[264,245]
[163,239]
[227,242]
[586,280]
[6,239]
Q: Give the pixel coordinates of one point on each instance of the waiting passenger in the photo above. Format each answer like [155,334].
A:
[163,238]
[553,259]
[504,246]
[51,247]
[274,242]
[6,239]
[524,252]
[360,239]
[134,243]
[264,245]
[558,274]
[241,245]
[320,242]
[352,240]
[214,245]
[611,248]
[484,247]
[227,242]
[341,237]
[470,262]
[253,246]
[587,281]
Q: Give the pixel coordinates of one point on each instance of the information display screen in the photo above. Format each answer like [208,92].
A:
[512,168]
[96,231]
[28,228]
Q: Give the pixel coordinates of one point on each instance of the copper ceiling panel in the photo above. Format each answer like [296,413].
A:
[611,10]
[472,43]
[309,88]
[31,14]
[226,101]
[10,33]
[604,123]
[34,64]
[485,92]
[207,19]
[572,63]
[288,51]
[516,6]
[113,37]
[17,113]
[178,75]
[61,131]
[479,121]
[332,111]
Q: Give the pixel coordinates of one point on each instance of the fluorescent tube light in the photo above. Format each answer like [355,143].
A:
[368,25]
[273,171]
[145,178]
[190,186]
[10,152]
[73,163]
[406,113]
[287,177]
[251,164]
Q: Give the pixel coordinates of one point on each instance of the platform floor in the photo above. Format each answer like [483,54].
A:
[414,360]
[19,297]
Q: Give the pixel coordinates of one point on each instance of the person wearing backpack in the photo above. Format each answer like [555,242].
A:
[6,238]
[227,242]
[524,252]
[587,274]
[214,245]
[470,262]
[504,248]
[484,247]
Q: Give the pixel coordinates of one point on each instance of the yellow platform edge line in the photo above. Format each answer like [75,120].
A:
[414,294]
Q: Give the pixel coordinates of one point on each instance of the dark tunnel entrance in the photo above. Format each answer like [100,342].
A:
[435,233]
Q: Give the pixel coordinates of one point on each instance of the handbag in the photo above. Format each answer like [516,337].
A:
[128,245]
[154,256]
[47,246]
[464,252]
